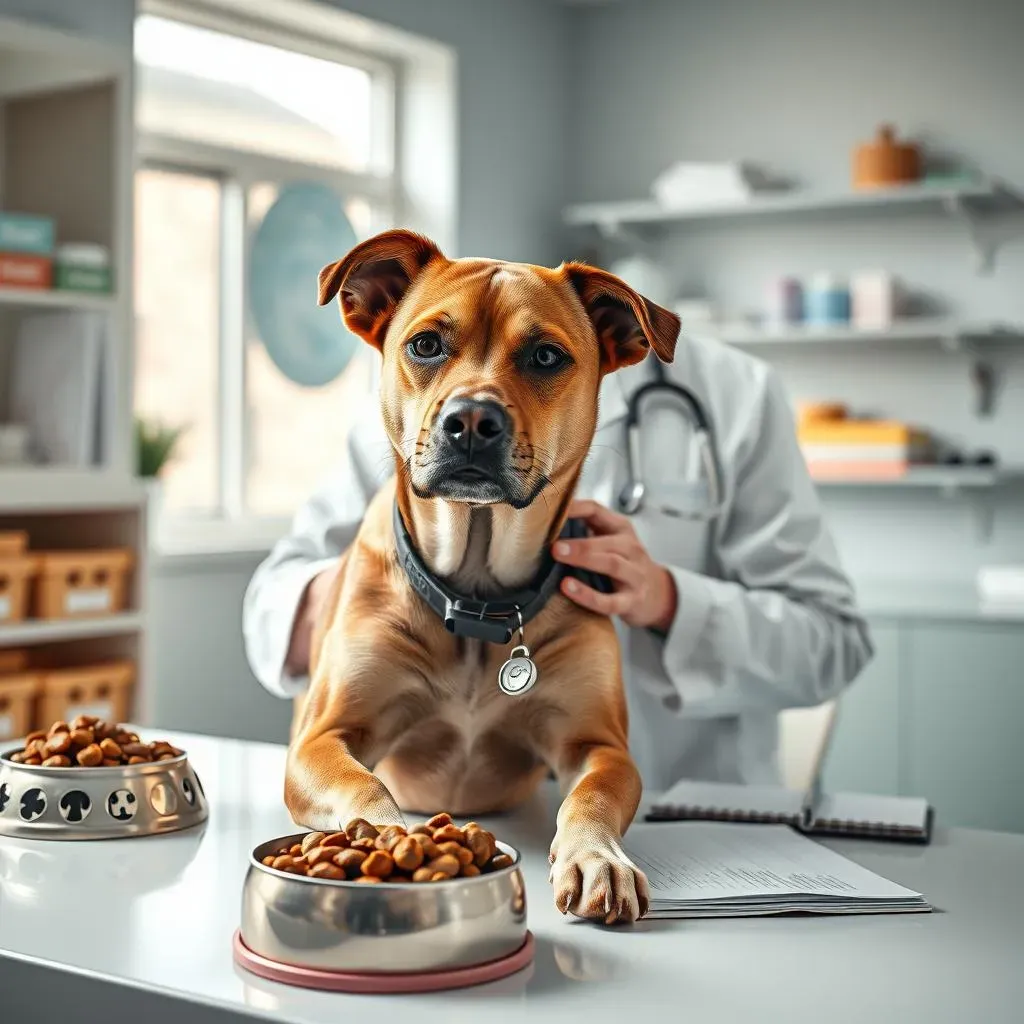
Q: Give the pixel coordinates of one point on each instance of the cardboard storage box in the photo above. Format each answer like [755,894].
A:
[12,542]
[74,584]
[18,694]
[103,690]
[15,584]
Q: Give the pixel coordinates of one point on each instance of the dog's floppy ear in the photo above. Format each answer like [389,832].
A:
[627,325]
[372,279]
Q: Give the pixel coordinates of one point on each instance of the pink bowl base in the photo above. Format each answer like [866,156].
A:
[382,984]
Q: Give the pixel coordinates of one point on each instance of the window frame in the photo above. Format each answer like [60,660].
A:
[230,527]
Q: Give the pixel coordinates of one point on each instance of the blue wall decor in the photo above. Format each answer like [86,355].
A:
[304,230]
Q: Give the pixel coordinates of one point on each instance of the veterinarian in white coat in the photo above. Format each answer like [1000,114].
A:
[762,616]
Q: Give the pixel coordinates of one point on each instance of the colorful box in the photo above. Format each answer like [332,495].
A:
[20,271]
[26,233]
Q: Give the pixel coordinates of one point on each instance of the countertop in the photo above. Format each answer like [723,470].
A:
[141,929]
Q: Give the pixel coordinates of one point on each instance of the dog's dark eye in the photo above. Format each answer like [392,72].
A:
[426,346]
[547,357]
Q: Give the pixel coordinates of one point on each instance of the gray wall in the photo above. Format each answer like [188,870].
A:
[795,84]
[513,112]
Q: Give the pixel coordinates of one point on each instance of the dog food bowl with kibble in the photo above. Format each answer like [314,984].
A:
[393,937]
[99,803]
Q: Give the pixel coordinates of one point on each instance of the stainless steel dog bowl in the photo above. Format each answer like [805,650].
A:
[389,928]
[99,803]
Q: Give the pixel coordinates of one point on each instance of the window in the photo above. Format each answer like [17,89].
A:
[262,156]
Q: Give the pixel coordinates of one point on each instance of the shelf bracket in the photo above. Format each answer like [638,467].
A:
[983,244]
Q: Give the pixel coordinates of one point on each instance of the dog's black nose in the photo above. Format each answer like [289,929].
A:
[472,425]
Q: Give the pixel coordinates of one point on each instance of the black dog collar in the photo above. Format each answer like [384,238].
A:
[495,620]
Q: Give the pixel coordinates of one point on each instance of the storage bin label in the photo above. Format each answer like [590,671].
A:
[101,709]
[6,727]
[95,600]
[5,607]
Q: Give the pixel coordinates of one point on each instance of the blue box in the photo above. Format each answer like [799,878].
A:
[25,232]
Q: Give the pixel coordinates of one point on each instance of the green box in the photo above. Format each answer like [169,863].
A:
[82,279]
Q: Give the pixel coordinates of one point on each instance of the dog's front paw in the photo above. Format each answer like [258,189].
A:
[597,881]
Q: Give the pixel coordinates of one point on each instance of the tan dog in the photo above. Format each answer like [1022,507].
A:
[489,388]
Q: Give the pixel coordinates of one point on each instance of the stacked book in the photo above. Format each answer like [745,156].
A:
[26,251]
[862,449]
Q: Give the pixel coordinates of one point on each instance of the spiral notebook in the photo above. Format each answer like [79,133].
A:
[814,812]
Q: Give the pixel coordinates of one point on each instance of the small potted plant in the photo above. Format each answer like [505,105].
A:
[155,445]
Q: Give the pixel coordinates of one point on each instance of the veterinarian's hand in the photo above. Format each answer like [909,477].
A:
[306,618]
[645,593]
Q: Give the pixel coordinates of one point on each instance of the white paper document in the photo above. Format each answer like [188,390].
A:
[713,869]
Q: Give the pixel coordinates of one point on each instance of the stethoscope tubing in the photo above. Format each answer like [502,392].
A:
[632,496]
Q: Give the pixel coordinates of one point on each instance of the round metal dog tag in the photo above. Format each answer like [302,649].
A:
[518,674]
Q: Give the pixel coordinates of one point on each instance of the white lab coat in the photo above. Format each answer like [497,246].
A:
[766,617]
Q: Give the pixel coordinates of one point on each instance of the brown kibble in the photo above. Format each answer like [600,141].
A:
[389,837]
[421,830]
[137,750]
[321,855]
[82,737]
[18,757]
[36,748]
[33,736]
[110,750]
[368,879]
[58,743]
[166,757]
[110,762]
[366,843]
[448,834]
[268,860]
[446,864]
[379,863]
[296,850]
[58,727]
[335,839]
[350,861]
[360,828]
[283,862]
[502,860]
[408,854]
[84,722]
[422,875]
[327,870]
[103,731]
[34,759]
[439,821]
[427,845]
[311,840]
[469,871]
[138,760]
[90,757]
[482,843]
[57,761]
[439,876]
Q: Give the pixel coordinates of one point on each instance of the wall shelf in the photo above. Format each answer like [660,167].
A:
[980,197]
[43,489]
[36,59]
[32,632]
[27,299]
[973,204]
[948,479]
[951,335]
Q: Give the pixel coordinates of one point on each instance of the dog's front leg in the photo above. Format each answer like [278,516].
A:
[326,787]
[591,874]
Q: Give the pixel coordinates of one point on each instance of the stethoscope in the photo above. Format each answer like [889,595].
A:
[632,495]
